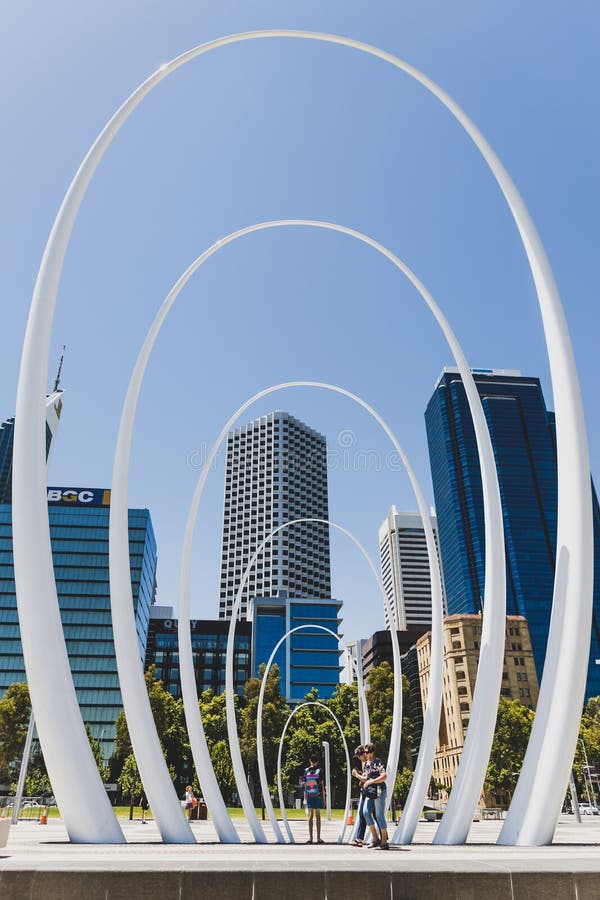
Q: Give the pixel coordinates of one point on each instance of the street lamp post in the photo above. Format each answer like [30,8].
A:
[587,779]
[575,799]
[23,770]
[589,787]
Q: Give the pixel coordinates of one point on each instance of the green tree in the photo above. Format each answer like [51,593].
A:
[15,709]
[213,710]
[98,754]
[223,767]
[380,702]
[275,713]
[513,728]
[312,725]
[170,725]
[344,705]
[402,786]
[587,751]
[130,783]
[37,783]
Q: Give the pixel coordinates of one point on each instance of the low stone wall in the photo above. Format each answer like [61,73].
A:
[297,885]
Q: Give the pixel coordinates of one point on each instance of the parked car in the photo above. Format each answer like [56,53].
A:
[586,809]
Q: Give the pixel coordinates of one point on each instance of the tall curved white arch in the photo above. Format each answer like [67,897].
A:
[259,714]
[185,659]
[482,716]
[300,706]
[545,773]
[397,709]
[166,807]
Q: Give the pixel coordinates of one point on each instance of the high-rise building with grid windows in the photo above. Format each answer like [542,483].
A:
[405,568]
[276,472]
[79,524]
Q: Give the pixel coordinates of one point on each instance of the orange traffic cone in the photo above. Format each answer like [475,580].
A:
[3,815]
[44,816]
[350,820]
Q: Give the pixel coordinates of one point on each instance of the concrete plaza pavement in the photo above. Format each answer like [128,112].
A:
[39,862]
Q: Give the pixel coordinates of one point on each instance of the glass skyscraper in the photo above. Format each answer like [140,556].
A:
[79,519]
[307,659]
[209,647]
[523,438]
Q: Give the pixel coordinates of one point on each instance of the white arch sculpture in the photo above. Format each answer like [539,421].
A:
[264,784]
[545,773]
[286,823]
[394,753]
[185,657]
[493,621]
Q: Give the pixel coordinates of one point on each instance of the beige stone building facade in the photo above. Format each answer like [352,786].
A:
[462,639]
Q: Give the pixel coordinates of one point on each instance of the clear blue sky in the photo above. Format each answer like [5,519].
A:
[290,129]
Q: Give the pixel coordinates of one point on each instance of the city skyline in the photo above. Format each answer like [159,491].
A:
[409,177]
[307,130]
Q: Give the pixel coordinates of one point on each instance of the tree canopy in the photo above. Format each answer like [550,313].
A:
[15,710]
[380,701]
[170,725]
[511,736]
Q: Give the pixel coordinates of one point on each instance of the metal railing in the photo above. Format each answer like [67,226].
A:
[30,808]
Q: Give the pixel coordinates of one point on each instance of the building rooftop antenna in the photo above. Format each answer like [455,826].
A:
[60,365]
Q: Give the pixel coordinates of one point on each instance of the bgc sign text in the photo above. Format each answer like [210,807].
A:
[78,496]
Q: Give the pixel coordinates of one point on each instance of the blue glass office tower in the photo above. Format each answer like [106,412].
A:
[79,534]
[307,659]
[523,438]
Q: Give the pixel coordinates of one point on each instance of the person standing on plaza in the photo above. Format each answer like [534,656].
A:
[375,791]
[144,805]
[190,801]
[314,795]
[361,754]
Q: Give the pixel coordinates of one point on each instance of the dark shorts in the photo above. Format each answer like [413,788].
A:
[314,803]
